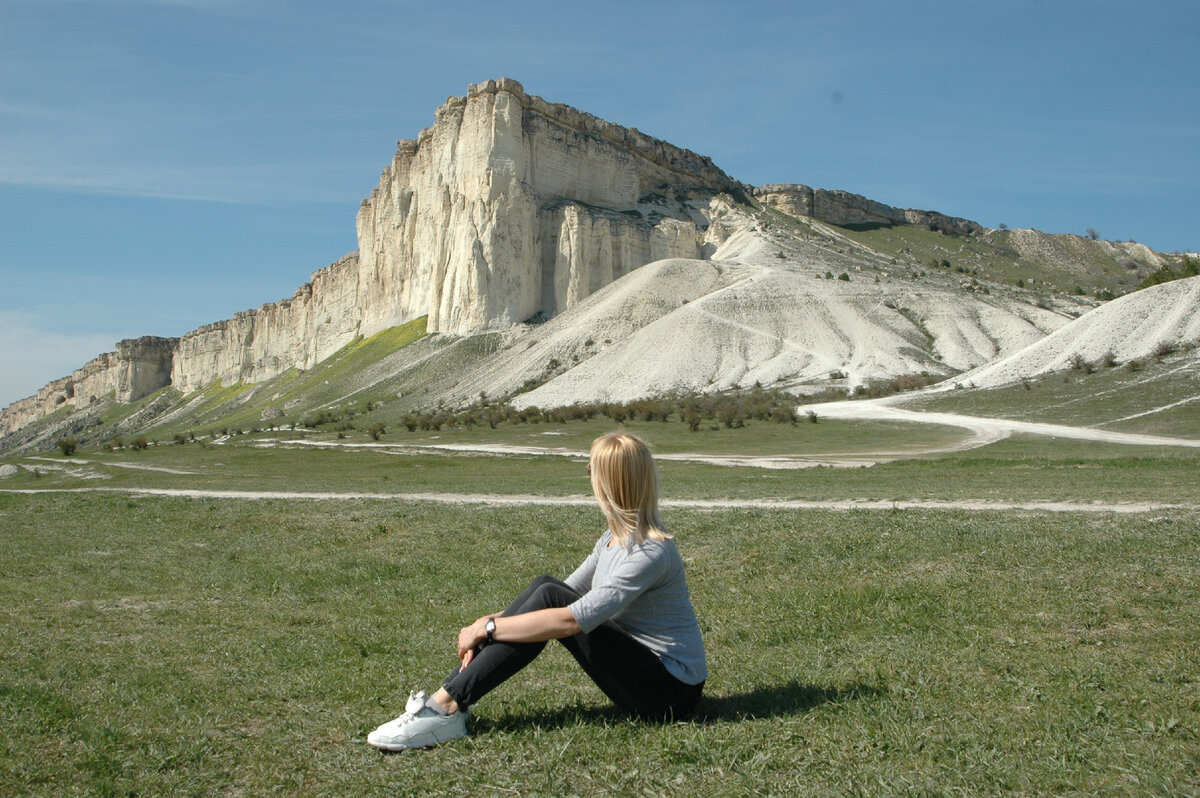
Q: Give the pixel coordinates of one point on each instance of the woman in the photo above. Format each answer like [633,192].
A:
[625,615]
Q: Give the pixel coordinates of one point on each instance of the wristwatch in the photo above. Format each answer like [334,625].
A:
[490,628]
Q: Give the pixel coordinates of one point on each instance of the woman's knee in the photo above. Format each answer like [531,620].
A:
[551,593]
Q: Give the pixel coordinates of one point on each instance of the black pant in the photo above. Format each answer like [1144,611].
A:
[628,672]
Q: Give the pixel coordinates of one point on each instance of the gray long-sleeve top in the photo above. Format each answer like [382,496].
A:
[642,588]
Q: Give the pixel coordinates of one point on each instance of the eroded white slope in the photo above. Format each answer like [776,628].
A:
[748,316]
[1131,327]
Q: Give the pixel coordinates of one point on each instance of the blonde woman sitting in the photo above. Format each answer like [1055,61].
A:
[624,614]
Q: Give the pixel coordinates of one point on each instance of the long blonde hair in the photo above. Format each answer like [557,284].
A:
[625,482]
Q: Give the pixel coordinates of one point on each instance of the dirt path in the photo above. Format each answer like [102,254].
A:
[769,461]
[987,430]
[495,500]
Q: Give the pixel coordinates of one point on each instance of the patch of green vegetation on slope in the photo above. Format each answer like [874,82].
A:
[993,257]
[294,393]
[410,389]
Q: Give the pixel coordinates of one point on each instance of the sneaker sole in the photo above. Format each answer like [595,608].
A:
[426,742]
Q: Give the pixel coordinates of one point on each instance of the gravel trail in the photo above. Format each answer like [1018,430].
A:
[496,500]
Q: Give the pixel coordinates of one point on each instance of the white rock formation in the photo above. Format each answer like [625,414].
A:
[138,366]
[506,208]
[844,208]
[510,206]
[746,316]
[1131,327]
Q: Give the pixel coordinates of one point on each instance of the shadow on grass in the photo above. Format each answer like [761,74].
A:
[791,698]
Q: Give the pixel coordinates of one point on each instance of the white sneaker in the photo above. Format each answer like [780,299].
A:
[418,727]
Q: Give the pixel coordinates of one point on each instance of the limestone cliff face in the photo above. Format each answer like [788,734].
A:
[138,366]
[510,206]
[506,208]
[255,345]
[844,208]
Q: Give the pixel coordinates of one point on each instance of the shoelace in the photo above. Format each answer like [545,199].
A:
[415,703]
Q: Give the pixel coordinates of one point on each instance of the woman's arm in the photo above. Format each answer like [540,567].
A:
[529,627]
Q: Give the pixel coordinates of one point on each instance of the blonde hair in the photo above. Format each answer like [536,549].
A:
[625,482]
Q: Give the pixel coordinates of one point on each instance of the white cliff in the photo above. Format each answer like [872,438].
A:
[510,209]
[510,206]
[138,367]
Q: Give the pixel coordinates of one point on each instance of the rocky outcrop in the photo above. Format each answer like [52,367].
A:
[492,215]
[139,366]
[508,207]
[255,345]
[843,208]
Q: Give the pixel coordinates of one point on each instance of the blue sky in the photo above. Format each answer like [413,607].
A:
[167,163]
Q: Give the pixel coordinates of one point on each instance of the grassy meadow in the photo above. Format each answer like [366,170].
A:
[198,646]
[157,644]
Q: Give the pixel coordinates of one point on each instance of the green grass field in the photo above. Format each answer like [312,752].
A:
[1020,468]
[163,645]
[160,645]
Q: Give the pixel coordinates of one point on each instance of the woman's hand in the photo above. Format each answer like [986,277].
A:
[469,638]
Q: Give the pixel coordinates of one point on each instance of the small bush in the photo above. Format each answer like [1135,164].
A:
[66,446]
[139,443]
[1163,349]
[1109,359]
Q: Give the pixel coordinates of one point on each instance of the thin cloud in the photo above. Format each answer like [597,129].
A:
[34,354]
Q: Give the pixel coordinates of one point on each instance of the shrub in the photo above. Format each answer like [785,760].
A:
[139,443]
[783,414]
[618,413]
[66,446]
[1163,349]
[375,431]
[1109,359]
[1133,365]
[845,277]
